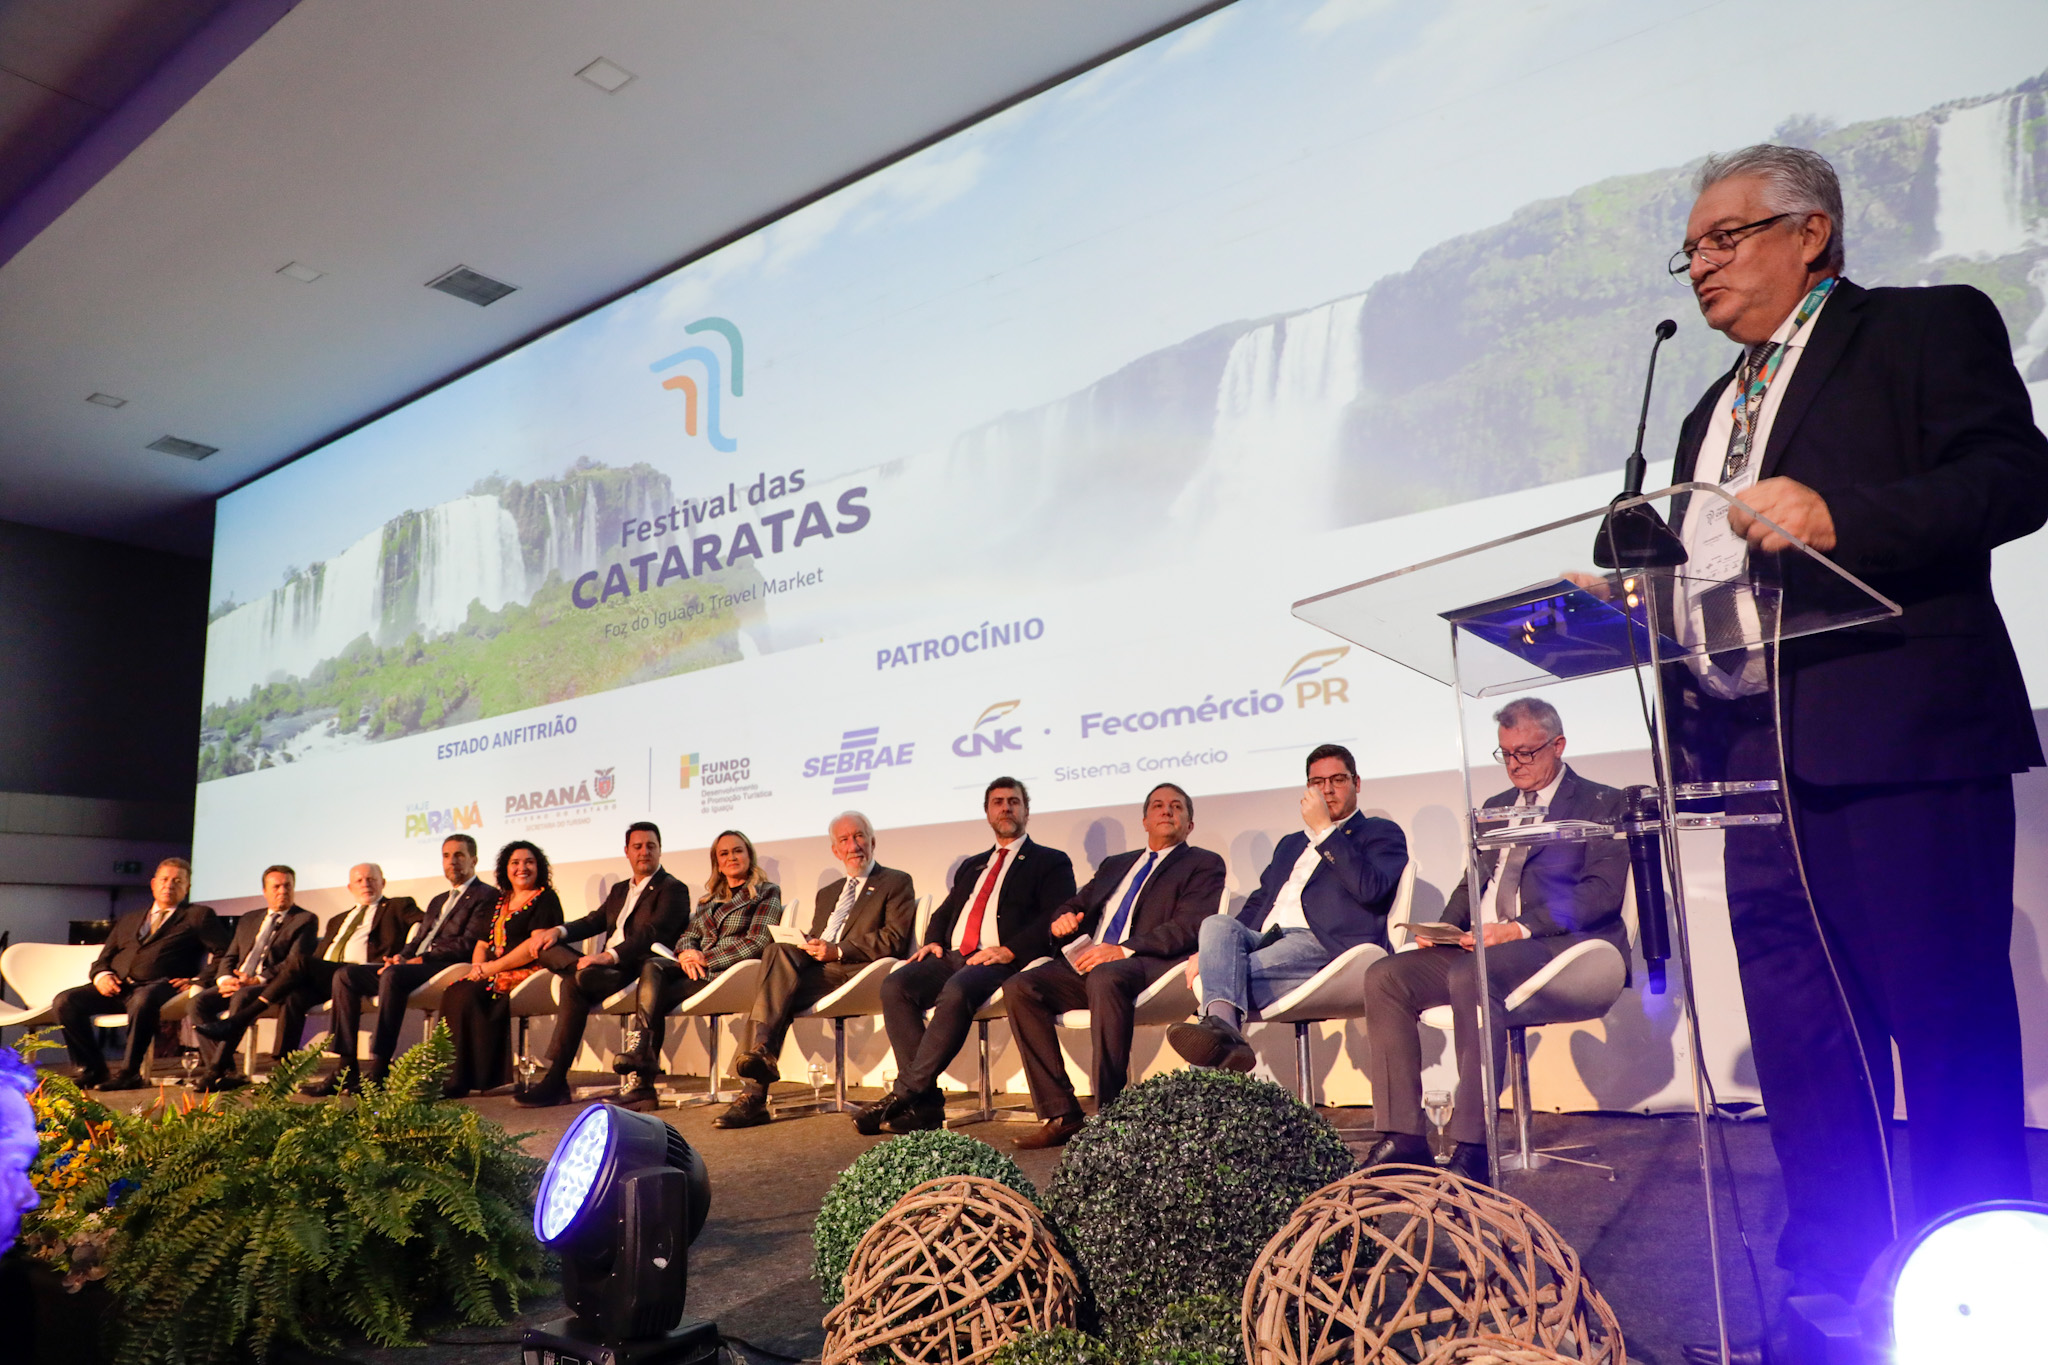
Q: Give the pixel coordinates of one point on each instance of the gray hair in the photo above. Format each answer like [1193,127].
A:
[866,827]
[1796,182]
[1533,711]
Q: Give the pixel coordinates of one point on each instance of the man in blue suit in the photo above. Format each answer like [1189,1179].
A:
[1328,888]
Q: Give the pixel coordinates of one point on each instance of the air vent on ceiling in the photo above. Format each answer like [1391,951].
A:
[106,400]
[182,448]
[465,284]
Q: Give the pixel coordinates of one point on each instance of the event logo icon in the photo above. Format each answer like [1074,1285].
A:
[861,752]
[1311,680]
[690,770]
[714,379]
[422,822]
[997,739]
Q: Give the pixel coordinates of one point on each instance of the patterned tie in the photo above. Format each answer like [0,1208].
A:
[1752,382]
[252,964]
[970,942]
[835,926]
[1115,932]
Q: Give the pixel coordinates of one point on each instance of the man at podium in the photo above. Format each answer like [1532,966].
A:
[1889,430]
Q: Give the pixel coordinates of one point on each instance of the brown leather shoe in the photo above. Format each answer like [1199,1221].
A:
[1051,1133]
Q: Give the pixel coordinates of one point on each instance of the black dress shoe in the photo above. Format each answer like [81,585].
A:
[92,1078]
[924,1114]
[1398,1149]
[869,1118]
[546,1095]
[219,1030]
[124,1079]
[748,1111]
[1052,1133]
[1213,1043]
[756,1065]
[1468,1159]
[451,1091]
[217,1082]
[346,1080]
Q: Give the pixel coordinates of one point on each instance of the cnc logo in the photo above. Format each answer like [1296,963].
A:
[1312,679]
[603,783]
[714,379]
[861,754]
[423,822]
[988,735]
[690,770]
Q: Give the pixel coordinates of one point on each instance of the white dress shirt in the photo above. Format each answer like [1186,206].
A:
[1287,912]
[849,895]
[1488,910]
[618,934]
[991,936]
[356,924]
[1717,553]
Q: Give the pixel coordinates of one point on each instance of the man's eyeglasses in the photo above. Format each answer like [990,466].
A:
[1719,245]
[1337,783]
[1523,756]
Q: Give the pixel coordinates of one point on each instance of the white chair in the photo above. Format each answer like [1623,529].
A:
[1337,991]
[1579,984]
[39,972]
[988,1111]
[731,993]
[540,993]
[860,995]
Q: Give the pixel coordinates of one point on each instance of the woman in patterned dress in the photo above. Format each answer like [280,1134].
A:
[477,1008]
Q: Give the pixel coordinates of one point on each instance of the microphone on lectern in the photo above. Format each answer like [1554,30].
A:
[1635,536]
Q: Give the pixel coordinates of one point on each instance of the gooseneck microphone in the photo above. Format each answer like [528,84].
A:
[1633,471]
[1646,868]
[1636,537]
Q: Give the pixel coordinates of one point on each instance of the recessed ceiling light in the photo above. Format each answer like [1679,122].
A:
[607,76]
[471,287]
[304,274]
[106,400]
[182,448]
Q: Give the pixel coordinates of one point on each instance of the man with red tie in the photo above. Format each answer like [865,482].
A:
[993,923]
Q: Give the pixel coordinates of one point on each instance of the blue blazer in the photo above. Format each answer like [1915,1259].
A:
[1347,899]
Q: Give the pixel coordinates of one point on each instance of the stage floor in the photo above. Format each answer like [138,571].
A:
[1642,1238]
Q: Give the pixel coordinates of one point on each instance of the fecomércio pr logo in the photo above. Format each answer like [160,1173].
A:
[1313,680]
[717,377]
[988,735]
[861,754]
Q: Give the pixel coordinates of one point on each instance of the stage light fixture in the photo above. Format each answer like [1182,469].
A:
[1965,1287]
[620,1202]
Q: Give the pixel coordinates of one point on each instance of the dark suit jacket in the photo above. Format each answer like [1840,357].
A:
[470,921]
[1037,883]
[1566,888]
[390,924]
[1347,899]
[287,953]
[1185,888]
[1906,414]
[179,949]
[882,919]
[660,916]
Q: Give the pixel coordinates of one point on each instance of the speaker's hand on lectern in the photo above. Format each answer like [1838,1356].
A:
[1789,503]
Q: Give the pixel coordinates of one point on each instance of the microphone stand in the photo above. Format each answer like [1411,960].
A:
[1635,536]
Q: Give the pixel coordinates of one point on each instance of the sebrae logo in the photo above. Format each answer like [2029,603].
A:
[691,767]
[861,754]
[987,735]
[715,379]
[1312,679]
[423,822]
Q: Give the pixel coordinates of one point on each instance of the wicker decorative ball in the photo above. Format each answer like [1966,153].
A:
[1391,1264]
[1492,1350]
[957,1268]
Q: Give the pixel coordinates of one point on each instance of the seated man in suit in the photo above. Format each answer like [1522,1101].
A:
[1535,903]
[442,938]
[993,924]
[149,957]
[863,917]
[1328,888]
[647,908]
[373,928]
[246,974]
[1142,910]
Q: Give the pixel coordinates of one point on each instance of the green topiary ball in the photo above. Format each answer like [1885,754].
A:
[1172,1192]
[1054,1346]
[882,1175]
